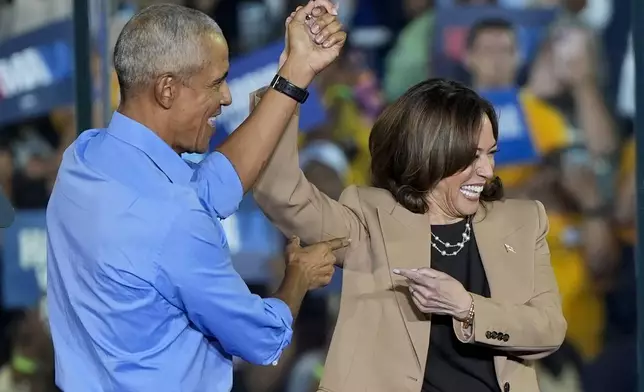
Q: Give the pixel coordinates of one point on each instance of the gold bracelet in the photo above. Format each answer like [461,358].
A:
[469,320]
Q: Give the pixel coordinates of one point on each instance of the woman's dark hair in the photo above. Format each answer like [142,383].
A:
[428,134]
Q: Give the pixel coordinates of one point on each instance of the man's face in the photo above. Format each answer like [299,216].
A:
[493,58]
[199,100]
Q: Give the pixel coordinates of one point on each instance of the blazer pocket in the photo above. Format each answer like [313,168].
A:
[394,360]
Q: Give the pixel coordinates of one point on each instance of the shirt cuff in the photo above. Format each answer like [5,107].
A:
[465,335]
[282,311]
[229,190]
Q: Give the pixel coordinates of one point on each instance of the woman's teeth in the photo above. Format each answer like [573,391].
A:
[472,191]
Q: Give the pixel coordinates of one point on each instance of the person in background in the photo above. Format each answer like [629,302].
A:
[353,100]
[410,59]
[625,202]
[493,61]
[568,74]
[615,368]
[583,246]
[31,366]
[326,166]
[309,368]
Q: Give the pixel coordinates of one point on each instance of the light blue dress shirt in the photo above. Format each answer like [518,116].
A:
[141,292]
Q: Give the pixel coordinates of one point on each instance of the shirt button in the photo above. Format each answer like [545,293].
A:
[274,363]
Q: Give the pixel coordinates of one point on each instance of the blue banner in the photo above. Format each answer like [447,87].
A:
[515,142]
[250,73]
[36,72]
[453,24]
[253,241]
[24,275]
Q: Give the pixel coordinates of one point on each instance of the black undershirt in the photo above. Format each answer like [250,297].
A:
[453,366]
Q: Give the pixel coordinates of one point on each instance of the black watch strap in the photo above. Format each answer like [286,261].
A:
[287,88]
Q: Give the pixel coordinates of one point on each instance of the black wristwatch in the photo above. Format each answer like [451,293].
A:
[287,88]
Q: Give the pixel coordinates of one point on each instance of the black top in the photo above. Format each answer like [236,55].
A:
[453,366]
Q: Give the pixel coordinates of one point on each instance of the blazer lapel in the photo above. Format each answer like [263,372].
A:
[406,238]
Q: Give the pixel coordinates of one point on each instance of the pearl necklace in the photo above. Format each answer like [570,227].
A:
[459,245]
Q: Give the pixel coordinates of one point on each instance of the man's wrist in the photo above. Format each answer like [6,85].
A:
[297,72]
[293,288]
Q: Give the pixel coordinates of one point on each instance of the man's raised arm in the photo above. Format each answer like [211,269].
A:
[249,147]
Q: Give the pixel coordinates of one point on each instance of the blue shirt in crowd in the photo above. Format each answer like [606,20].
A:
[142,295]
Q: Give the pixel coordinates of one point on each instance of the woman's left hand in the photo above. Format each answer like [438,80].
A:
[436,292]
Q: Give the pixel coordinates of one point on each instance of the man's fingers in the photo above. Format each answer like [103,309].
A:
[328,31]
[336,39]
[329,258]
[293,244]
[319,24]
[337,243]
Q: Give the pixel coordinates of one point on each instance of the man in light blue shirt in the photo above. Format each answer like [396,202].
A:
[142,295]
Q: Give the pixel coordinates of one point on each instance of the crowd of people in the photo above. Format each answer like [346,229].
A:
[574,91]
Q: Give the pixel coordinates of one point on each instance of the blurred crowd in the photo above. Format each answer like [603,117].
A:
[573,89]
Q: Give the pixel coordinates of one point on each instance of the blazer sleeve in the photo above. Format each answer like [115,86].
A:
[296,206]
[532,330]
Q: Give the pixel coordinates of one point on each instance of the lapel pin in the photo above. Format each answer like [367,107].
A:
[508,248]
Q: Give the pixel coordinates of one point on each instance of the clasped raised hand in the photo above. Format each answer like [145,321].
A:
[314,38]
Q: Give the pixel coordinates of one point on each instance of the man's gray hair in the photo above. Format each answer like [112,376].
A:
[164,38]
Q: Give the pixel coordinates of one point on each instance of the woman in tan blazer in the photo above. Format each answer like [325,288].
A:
[446,286]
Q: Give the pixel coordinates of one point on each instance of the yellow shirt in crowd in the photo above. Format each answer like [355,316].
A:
[548,131]
[351,125]
[583,309]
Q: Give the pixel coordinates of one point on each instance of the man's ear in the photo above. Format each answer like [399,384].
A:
[166,90]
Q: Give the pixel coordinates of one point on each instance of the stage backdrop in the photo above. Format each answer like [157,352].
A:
[36,72]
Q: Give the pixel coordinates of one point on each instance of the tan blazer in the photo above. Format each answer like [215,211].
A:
[381,341]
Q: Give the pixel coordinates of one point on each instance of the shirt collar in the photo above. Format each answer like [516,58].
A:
[144,139]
